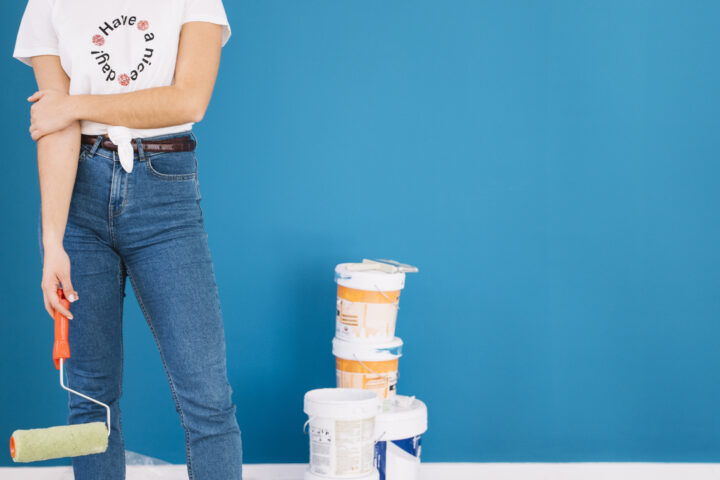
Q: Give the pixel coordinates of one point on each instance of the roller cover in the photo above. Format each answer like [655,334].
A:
[57,442]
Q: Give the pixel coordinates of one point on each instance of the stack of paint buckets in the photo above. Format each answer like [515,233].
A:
[367,354]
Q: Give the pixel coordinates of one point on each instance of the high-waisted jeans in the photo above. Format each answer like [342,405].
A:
[147,225]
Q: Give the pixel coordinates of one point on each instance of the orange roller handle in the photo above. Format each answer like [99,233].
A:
[61,348]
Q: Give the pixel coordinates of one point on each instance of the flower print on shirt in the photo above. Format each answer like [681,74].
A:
[104,59]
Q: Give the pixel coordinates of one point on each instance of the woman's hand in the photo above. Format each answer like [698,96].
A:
[50,112]
[56,270]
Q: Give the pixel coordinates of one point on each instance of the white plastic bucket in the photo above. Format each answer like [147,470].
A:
[311,476]
[399,430]
[370,367]
[367,304]
[342,431]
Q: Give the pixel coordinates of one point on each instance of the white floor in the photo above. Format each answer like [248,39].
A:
[430,471]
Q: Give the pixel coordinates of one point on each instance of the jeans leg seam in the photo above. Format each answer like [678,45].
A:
[122,303]
[110,231]
[167,372]
[122,352]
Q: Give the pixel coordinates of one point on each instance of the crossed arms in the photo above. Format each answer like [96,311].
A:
[55,126]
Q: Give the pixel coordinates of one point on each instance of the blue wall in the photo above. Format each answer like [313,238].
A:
[552,168]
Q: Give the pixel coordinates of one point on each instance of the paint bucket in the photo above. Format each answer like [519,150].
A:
[367,304]
[342,431]
[370,367]
[399,429]
[311,476]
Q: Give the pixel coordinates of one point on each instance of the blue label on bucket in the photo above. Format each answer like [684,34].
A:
[380,456]
[410,446]
[397,351]
[338,276]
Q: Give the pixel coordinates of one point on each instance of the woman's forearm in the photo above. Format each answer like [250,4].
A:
[149,108]
[57,155]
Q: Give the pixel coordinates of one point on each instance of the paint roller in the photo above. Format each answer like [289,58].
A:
[384,265]
[66,440]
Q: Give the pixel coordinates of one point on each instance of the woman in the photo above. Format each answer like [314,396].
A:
[120,84]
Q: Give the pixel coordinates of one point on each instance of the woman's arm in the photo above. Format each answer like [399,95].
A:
[57,158]
[198,60]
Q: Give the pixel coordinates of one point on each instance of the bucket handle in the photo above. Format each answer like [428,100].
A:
[306,424]
[395,304]
[366,367]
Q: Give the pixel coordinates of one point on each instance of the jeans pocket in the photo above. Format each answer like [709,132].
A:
[173,165]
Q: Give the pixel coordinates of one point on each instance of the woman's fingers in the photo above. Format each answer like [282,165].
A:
[46,301]
[35,96]
[67,287]
[52,301]
[56,272]
[36,129]
[35,132]
[56,305]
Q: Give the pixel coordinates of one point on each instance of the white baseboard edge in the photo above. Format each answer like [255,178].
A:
[429,471]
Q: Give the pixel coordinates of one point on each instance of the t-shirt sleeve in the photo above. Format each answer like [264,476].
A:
[36,35]
[211,11]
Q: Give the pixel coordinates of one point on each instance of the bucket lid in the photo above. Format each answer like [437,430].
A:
[368,352]
[372,280]
[404,417]
[371,476]
[341,403]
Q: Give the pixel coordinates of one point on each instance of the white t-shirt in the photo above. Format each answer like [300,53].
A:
[113,46]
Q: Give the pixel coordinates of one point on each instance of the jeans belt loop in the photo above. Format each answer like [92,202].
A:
[96,145]
[140,149]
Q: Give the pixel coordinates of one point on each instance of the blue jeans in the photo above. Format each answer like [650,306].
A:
[147,225]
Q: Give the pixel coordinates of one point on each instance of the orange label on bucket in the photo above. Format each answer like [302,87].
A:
[367,296]
[365,315]
[354,366]
[379,377]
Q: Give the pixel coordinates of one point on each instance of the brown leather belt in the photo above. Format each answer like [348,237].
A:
[176,144]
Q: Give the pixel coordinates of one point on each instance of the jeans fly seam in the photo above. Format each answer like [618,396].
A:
[110,208]
[125,195]
[167,372]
